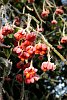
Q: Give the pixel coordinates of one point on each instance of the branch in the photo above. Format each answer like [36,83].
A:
[38,14]
[48,44]
[4,46]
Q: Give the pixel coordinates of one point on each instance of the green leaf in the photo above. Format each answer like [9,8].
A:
[10,35]
[7,52]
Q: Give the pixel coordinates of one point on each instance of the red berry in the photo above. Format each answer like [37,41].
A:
[30,50]
[17,50]
[31,37]
[45,13]
[59,11]
[23,56]
[40,49]
[25,44]
[64,39]
[59,47]
[19,35]
[54,22]
[19,78]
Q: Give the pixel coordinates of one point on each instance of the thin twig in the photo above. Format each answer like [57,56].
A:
[38,14]
[4,46]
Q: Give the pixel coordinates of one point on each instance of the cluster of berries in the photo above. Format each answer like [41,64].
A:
[28,48]
[30,75]
[48,66]
[30,72]
[25,50]
[5,31]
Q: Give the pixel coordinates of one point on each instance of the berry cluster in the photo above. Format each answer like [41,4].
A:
[5,31]
[40,49]
[30,75]
[48,66]
[26,49]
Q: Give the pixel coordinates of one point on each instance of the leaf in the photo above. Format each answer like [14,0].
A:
[7,52]
[10,35]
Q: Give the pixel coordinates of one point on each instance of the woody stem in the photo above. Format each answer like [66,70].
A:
[48,54]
